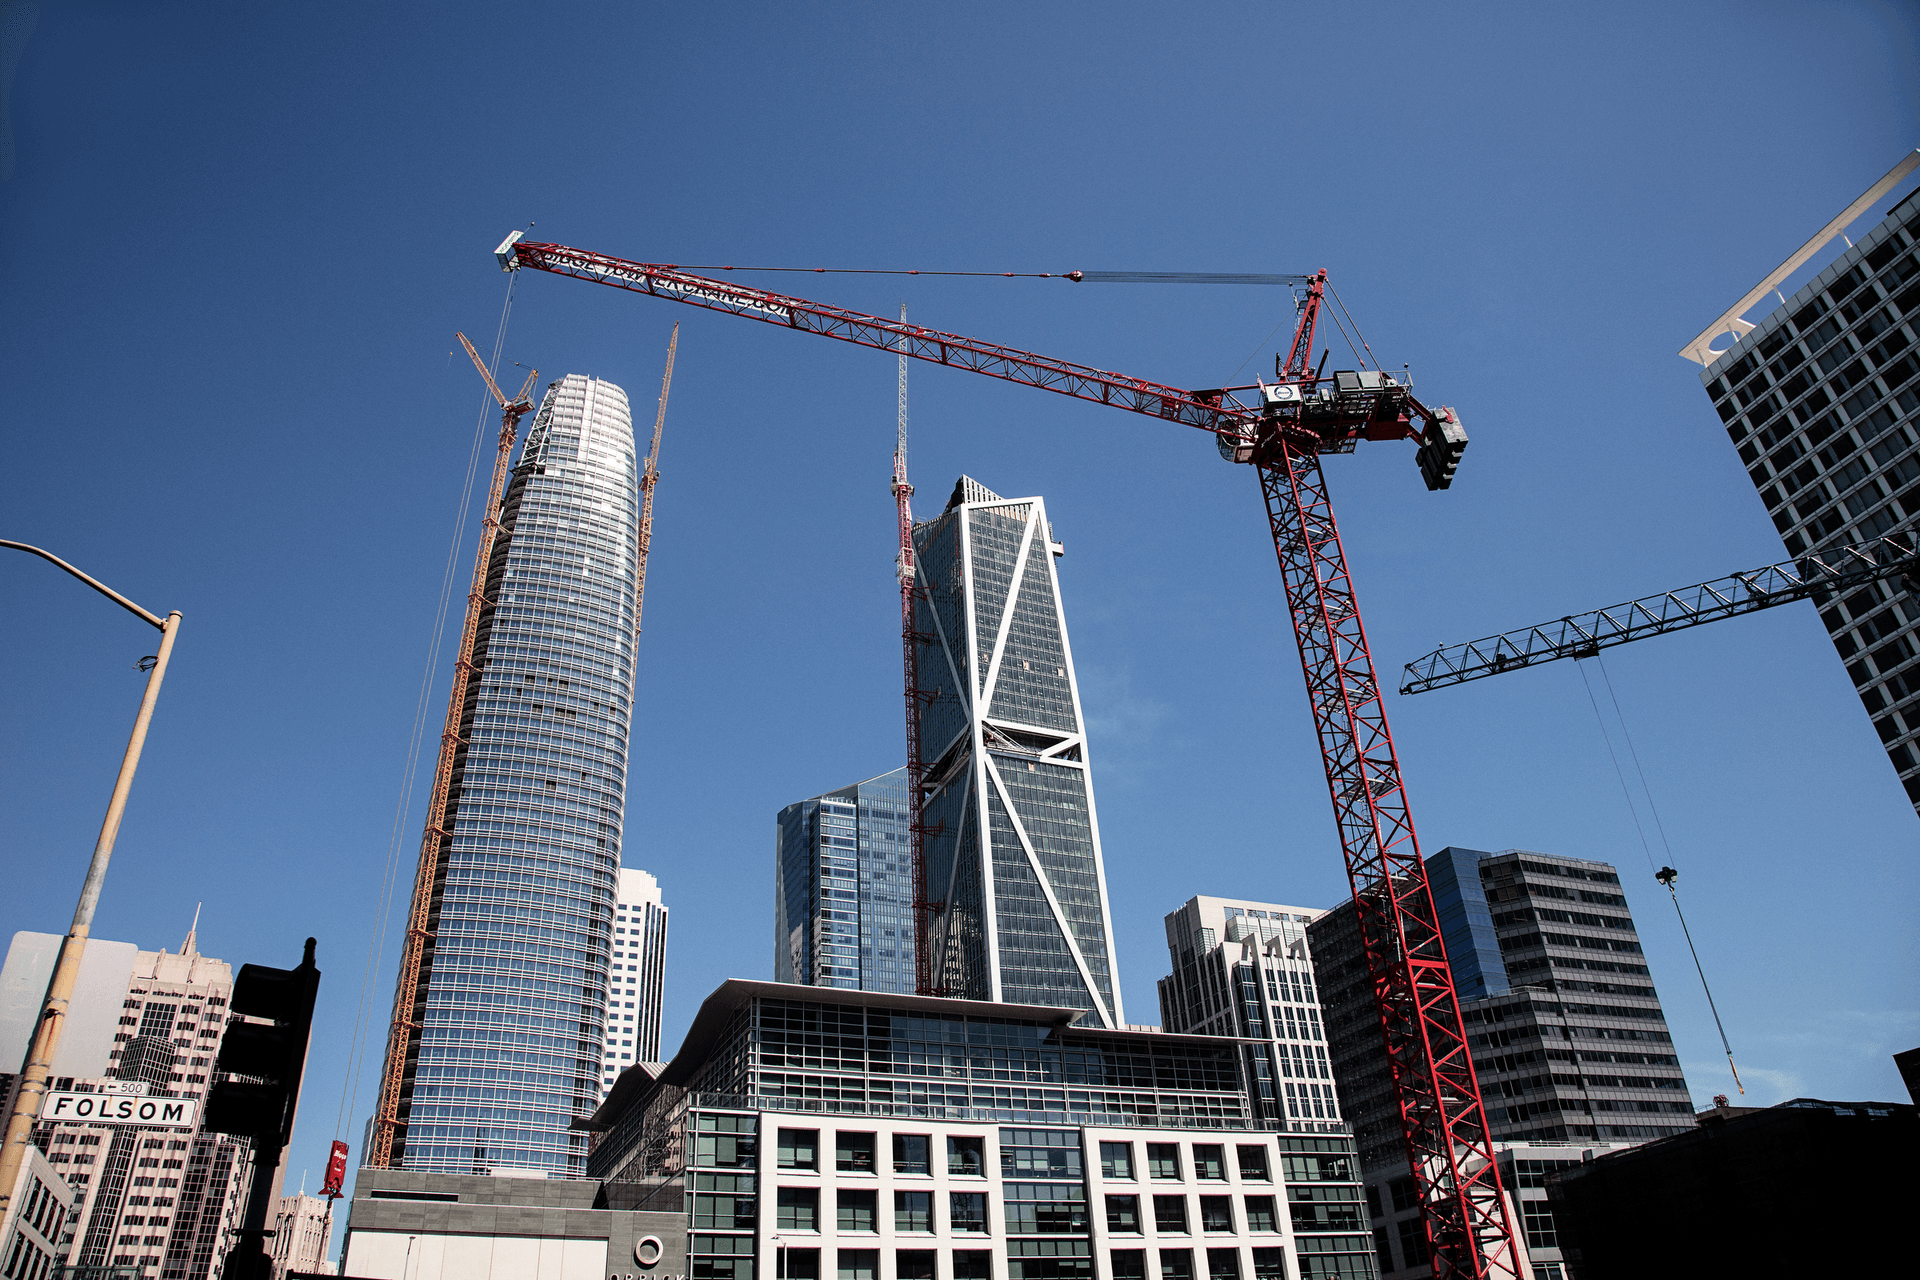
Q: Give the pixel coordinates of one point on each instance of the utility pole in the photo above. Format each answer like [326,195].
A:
[66,971]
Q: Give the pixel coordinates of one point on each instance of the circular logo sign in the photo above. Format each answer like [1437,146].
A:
[647,1250]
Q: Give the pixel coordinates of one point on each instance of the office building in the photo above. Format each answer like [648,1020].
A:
[1566,1030]
[149,1201]
[636,980]
[302,1226]
[35,1221]
[817,1133]
[497,1065]
[1244,969]
[1819,398]
[843,888]
[1013,843]
[1728,1198]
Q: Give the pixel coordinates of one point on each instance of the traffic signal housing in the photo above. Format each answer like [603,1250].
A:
[267,1056]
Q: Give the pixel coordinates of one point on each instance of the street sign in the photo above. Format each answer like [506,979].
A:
[110,1108]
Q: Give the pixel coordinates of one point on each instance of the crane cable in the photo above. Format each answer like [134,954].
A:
[376,945]
[1077,277]
[1666,875]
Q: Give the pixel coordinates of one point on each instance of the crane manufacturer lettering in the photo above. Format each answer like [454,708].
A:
[108,1108]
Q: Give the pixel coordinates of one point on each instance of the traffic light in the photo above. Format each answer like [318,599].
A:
[1440,449]
[270,1056]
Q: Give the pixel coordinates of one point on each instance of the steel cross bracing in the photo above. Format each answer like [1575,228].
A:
[924,907]
[1584,635]
[403,1036]
[1282,430]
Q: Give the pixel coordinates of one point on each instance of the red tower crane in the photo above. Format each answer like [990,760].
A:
[1280,429]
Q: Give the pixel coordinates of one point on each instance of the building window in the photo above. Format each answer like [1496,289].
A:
[1116,1160]
[1404,1196]
[859,1264]
[799,1149]
[1049,1260]
[1413,1243]
[1209,1162]
[913,1264]
[725,1142]
[1384,1251]
[728,1257]
[853,1152]
[1537,1217]
[1216,1213]
[910,1154]
[964,1156]
[912,1211]
[1223,1264]
[1260,1213]
[799,1264]
[1170,1214]
[1176,1264]
[855,1210]
[1123,1214]
[1253,1164]
[723,1212]
[1038,1208]
[972,1264]
[967,1210]
[1163,1160]
[1269,1264]
[799,1209]
[1129,1264]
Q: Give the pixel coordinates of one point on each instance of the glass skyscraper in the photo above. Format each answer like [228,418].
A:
[513,984]
[1013,846]
[843,895]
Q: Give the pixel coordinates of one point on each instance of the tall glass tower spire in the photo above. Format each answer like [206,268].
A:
[513,995]
[1013,848]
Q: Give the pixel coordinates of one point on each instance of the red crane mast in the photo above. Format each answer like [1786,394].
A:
[1280,429]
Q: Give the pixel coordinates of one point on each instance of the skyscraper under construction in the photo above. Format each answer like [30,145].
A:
[1013,841]
[498,1059]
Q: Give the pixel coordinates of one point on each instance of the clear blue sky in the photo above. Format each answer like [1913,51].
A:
[239,238]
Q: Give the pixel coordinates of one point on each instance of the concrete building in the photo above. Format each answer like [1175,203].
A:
[1013,844]
[1819,397]
[1728,1198]
[636,977]
[154,1201]
[35,1221]
[817,1134]
[428,1226]
[1244,969]
[522,920]
[1569,1041]
[843,888]
[302,1227]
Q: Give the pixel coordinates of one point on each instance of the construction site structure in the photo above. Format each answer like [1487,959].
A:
[1816,576]
[1281,429]
[409,989]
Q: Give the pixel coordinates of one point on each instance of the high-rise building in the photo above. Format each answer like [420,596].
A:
[636,983]
[302,1226]
[150,1201]
[843,888]
[1568,1038]
[521,924]
[1013,847]
[1820,398]
[1244,969]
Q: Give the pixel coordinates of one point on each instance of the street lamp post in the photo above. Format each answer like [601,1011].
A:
[53,1013]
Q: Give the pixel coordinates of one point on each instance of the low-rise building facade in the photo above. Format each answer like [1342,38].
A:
[818,1134]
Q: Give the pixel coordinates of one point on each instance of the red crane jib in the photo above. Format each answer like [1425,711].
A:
[1281,429]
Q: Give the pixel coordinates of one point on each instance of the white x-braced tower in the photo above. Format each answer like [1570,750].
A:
[1013,846]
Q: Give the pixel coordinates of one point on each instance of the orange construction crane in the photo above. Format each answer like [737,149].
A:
[650,476]
[403,1038]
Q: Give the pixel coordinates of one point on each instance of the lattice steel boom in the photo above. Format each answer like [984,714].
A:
[404,1033]
[1583,635]
[1281,429]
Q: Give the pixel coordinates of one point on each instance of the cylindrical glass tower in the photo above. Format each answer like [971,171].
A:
[508,1051]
